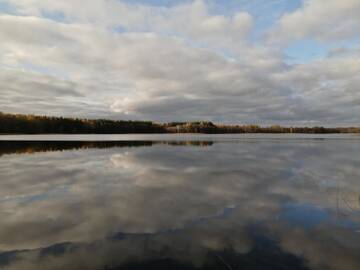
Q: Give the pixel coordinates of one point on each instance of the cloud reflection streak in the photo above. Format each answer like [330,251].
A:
[118,205]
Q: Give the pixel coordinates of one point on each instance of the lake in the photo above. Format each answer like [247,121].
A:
[248,201]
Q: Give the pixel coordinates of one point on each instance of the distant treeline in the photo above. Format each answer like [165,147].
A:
[209,127]
[32,124]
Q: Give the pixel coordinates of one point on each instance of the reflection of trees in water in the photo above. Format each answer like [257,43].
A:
[29,147]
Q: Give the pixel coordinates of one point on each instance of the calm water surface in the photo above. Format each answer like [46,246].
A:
[180,202]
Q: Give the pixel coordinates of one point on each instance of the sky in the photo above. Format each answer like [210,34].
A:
[287,62]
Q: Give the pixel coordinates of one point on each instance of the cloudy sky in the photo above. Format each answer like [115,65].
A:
[232,61]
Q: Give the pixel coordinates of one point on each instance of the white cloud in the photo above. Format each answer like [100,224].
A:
[324,20]
[167,63]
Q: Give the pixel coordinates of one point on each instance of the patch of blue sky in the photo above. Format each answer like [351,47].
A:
[53,15]
[162,3]
[264,12]
[119,29]
[307,50]
[45,70]
[353,43]
[257,8]
[7,8]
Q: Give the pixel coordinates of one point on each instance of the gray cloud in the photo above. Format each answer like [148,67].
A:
[164,64]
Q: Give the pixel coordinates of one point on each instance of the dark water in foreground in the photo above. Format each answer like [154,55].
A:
[213,203]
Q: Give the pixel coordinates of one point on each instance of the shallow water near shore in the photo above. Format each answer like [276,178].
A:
[243,201]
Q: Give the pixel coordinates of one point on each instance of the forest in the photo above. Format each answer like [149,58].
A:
[34,124]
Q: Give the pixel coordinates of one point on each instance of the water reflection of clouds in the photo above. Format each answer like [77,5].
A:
[188,201]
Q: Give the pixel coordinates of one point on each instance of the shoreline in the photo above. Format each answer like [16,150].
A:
[20,124]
